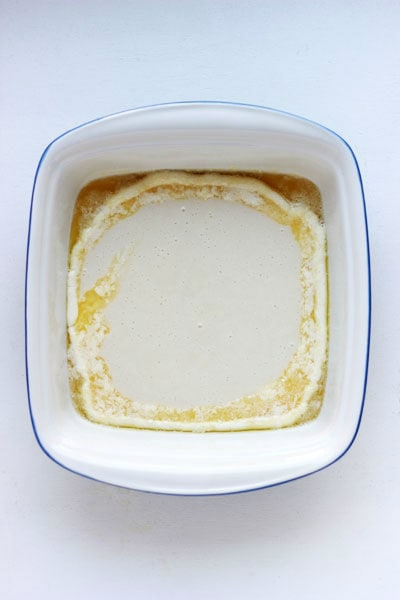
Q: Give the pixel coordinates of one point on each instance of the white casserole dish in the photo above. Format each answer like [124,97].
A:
[205,136]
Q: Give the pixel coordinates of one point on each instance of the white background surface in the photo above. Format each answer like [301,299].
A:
[334,534]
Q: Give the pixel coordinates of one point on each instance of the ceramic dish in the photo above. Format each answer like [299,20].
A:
[205,136]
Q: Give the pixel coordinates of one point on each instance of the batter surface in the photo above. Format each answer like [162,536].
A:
[295,373]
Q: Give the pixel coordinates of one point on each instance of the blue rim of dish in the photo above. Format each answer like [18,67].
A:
[203,102]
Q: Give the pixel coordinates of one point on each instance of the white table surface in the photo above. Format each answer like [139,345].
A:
[332,535]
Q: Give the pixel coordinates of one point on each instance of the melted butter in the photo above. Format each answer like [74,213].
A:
[95,301]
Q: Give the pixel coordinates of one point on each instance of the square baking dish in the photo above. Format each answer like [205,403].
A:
[196,136]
